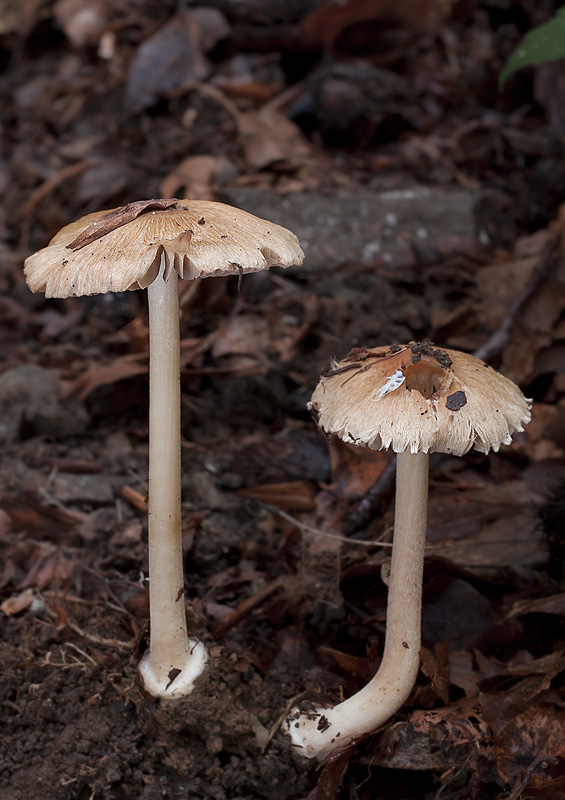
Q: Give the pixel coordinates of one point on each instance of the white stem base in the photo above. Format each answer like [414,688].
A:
[321,731]
[167,683]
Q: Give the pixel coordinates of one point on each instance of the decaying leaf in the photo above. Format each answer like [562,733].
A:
[104,374]
[326,24]
[19,602]
[294,495]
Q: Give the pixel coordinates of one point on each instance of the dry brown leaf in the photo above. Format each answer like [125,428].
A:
[40,521]
[534,332]
[358,667]
[196,177]
[169,59]
[435,665]
[355,469]
[555,604]
[42,571]
[268,137]
[243,335]
[290,320]
[16,603]
[462,672]
[293,495]
[83,23]
[527,722]
[99,374]
[462,723]
[324,26]
[500,285]
[523,664]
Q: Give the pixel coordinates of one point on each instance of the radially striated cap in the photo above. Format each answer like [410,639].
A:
[419,398]
[124,248]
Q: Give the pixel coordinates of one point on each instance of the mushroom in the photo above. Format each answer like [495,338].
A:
[148,244]
[416,400]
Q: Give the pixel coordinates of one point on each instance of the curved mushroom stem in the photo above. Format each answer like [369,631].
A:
[319,732]
[174,661]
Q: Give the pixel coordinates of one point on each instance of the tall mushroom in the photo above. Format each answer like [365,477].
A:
[148,244]
[416,400]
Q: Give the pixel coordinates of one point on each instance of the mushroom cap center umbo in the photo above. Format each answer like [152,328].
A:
[428,378]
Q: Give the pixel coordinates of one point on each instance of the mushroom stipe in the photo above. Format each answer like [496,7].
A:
[148,244]
[414,399]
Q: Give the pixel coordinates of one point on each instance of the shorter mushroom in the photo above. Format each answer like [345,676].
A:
[149,244]
[414,399]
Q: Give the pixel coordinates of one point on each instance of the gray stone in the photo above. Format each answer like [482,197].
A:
[363,226]
[30,405]
[96,490]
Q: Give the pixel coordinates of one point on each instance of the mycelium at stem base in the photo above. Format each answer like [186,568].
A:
[174,661]
[317,733]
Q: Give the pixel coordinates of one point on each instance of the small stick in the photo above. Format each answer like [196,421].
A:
[379,493]
[245,608]
[309,529]
[281,719]
[517,792]
[500,338]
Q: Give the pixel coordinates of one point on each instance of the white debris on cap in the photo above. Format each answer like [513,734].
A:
[196,238]
[418,398]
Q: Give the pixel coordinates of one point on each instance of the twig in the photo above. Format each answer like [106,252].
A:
[26,211]
[281,719]
[500,338]
[309,529]
[367,508]
[101,641]
[245,608]
[517,791]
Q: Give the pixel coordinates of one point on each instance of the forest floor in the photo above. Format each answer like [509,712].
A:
[429,206]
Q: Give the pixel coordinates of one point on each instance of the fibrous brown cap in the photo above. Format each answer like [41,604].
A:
[112,251]
[420,399]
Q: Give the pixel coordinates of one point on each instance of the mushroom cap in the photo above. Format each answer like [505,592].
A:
[419,398]
[124,248]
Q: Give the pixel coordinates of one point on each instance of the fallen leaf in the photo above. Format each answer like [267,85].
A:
[42,571]
[99,374]
[293,495]
[40,521]
[197,176]
[461,723]
[243,335]
[83,24]
[324,26]
[500,285]
[355,469]
[555,604]
[170,58]
[13,605]
[268,137]
[527,722]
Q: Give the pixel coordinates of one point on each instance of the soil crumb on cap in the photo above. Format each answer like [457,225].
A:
[456,401]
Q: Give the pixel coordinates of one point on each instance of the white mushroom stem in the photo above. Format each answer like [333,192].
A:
[319,732]
[173,661]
